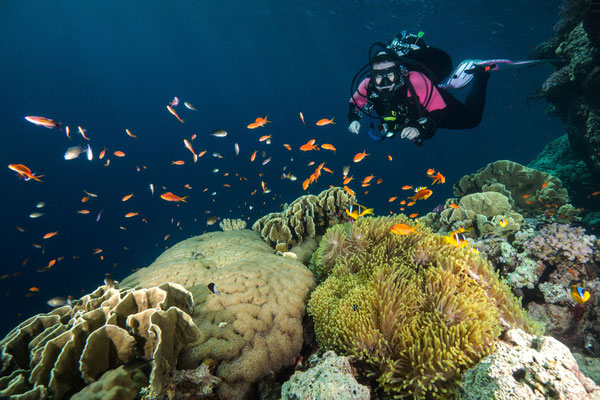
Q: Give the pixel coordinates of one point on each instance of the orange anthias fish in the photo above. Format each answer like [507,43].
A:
[45,122]
[131,214]
[430,171]
[174,113]
[302,118]
[253,156]
[437,178]
[310,145]
[50,234]
[168,196]
[125,198]
[368,178]
[360,156]
[263,138]
[129,133]
[287,146]
[328,146]
[82,132]
[24,172]
[349,191]
[325,121]
[178,162]
[259,122]
[188,146]
[422,194]
[119,153]
[403,229]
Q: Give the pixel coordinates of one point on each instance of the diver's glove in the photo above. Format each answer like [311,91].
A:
[410,132]
[354,127]
[424,129]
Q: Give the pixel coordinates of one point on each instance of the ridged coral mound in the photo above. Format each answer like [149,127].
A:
[307,216]
[60,353]
[253,326]
[415,311]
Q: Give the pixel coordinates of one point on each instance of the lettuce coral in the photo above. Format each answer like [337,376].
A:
[416,312]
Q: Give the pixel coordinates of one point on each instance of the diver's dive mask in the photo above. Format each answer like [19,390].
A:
[388,77]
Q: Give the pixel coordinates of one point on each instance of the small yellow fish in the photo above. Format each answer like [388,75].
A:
[502,222]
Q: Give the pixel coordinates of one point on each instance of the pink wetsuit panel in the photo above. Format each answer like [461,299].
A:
[422,86]
[360,96]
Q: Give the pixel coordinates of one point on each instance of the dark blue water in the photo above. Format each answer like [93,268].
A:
[113,65]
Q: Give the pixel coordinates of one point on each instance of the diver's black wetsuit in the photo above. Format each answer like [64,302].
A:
[457,115]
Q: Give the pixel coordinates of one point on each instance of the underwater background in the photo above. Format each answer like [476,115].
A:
[110,66]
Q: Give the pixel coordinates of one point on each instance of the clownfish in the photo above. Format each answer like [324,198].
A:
[579,294]
[355,211]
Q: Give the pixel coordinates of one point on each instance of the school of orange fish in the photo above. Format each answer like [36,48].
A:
[355,212]
[73,152]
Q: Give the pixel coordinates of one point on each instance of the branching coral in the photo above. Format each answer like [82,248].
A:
[562,245]
[417,312]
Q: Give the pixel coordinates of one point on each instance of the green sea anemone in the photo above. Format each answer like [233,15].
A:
[415,311]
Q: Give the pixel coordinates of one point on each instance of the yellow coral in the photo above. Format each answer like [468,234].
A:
[416,311]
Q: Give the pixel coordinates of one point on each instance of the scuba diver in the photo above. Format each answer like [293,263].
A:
[404,89]
[407,88]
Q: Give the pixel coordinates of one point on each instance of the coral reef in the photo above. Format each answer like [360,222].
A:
[495,200]
[228,224]
[414,311]
[478,213]
[558,159]
[61,352]
[573,90]
[194,384]
[562,246]
[550,260]
[329,377]
[307,216]
[122,383]
[251,325]
[527,367]
[526,188]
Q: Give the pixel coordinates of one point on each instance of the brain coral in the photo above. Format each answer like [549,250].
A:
[307,216]
[59,353]
[253,327]
[515,181]
[415,311]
